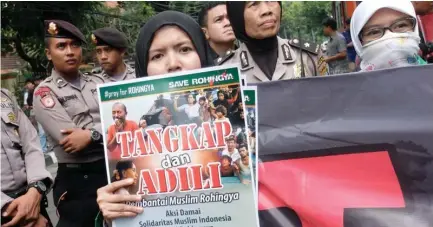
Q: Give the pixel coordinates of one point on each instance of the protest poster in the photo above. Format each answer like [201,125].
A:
[250,96]
[180,138]
[348,150]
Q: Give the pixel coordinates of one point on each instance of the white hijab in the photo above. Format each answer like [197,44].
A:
[365,11]
[393,49]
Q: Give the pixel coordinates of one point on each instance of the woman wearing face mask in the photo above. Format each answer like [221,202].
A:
[385,34]
[169,42]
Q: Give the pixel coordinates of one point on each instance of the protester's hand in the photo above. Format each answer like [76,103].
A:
[119,124]
[113,205]
[76,139]
[26,208]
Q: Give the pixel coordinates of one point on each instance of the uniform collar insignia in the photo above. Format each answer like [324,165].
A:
[244,59]
[286,52]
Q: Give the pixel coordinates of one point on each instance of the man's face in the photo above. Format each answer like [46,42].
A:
[221,96]
[201,102]
[241,105]
[327,30]
[218,28]
[143,124]
[30,86]
[241,114]
[119,113]
[231,145]
[262,19]
[219,114]
[65,54]
[109,58]
[243,152]
[225,162]
[131,173]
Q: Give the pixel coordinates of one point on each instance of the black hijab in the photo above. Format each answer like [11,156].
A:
[183,21]
[263,51]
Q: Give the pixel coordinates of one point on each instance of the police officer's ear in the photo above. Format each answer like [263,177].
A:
[206,33]
[122,52]
[47,43]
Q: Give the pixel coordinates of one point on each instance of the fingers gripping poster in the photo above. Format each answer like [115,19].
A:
[182,138]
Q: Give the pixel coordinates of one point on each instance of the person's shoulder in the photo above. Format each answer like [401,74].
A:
[226,58]
[6,92]
[304,45]
[132,124]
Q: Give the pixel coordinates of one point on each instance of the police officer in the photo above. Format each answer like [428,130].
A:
[216,26]
[111,45]
[24,179]
[66,105]
[263,56]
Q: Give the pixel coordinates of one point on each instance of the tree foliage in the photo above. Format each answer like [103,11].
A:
[307,16]
[23,24]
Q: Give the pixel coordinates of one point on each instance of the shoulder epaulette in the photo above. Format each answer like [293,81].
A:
[220,60]
[310,47]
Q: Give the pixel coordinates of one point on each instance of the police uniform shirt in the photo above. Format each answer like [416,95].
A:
[288,62]
[61,105]
[22,159]
[127,75]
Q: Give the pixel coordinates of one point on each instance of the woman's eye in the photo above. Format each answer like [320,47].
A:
[185,49]
[156,57]
[373,32]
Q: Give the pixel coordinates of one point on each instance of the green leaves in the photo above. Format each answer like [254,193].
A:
[307,16]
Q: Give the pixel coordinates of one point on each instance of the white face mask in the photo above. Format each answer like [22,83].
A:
[392,50]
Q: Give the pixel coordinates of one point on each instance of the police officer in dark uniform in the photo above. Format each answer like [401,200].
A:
[111,46]
[262,55]
[66,105]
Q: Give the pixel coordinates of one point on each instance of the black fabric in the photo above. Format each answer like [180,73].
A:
[74,188]
[183,21]
[110,37]
[62,29]
[263,51]
[30,98]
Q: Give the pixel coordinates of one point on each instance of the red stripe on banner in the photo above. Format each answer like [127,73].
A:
[318,189]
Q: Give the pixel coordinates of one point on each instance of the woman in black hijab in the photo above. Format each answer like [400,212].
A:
[264,51]
[171,41]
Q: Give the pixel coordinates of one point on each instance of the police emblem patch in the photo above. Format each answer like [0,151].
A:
[48,101]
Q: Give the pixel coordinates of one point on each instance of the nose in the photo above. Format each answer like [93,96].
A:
[69,51]
[104,56]
[226,22]
[264,8]
[173,63]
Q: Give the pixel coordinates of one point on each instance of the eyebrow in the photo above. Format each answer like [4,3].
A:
[218,16]
[182,42]
[378,25]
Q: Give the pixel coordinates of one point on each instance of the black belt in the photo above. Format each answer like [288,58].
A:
[96,166]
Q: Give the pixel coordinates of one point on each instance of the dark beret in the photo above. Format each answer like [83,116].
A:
[109,37]
[62,29]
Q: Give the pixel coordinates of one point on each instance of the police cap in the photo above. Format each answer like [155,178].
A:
[62,29]
[109,37]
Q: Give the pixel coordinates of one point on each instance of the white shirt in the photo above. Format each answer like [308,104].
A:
[191,111]
[235,155]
